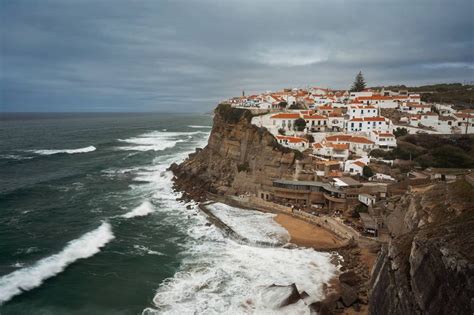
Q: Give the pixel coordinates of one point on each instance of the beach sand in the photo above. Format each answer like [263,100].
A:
[306,234]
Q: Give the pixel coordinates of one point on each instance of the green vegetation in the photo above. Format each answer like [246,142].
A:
[297,105]
[233,115]
[282,105]
[281,131]
[433,151]
[359,83]
[300,124]
[460,94]
[367,172]
[399,132]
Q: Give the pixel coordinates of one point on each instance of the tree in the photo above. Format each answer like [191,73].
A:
[281,131]
[399,132]
[282,104]
[367,172]
[359,83]
[300,124]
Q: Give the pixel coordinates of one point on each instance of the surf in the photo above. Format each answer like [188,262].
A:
[32,277]
[90,148]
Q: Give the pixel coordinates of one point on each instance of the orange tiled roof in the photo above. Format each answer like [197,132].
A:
[359,163]
[286,116]
[292,139]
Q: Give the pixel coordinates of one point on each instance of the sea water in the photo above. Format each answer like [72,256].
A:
[90,224]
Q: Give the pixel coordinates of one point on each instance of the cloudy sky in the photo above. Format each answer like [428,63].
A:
[187,55]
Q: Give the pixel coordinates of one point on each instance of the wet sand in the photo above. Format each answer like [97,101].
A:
[306,234]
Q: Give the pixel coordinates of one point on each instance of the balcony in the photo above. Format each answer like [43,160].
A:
[334,199]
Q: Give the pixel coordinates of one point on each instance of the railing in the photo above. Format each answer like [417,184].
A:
[334,199]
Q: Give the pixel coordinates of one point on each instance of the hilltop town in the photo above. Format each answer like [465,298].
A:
[369,165]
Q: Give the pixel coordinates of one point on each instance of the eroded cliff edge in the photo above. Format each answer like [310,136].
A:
[239,158]
[428,268]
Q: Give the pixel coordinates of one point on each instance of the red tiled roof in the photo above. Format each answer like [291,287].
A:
[292,139]
[286,116]
[359,163]
[314,117]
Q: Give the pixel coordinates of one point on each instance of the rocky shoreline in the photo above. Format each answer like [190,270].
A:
[345,294]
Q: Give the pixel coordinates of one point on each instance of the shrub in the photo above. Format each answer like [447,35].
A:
[300,124]
[244,167]
[367,172]
[281,131]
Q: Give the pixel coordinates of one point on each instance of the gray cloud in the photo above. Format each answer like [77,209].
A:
[187,55]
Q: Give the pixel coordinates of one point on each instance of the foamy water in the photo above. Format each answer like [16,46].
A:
[253,225]
[142,210]
[67,151]
[155,141]
[31,277]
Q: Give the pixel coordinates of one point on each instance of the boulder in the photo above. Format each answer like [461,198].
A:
[349,278]
[348,295]
[320,308]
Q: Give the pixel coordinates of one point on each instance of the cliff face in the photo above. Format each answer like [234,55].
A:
[429,269]
[239,158]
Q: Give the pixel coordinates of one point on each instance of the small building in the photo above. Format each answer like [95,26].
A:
[369,224]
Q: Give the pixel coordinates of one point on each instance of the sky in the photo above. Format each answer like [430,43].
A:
[186,56]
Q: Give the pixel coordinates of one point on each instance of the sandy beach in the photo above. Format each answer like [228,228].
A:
[306,234]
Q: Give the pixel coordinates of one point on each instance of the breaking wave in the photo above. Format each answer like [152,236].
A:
[156,140]
[68,151]
[142,210]
[28,278]
[199,127]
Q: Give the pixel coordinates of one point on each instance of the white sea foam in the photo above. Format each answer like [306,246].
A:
[224,277]
[146,250]
[15,157]
[28,278]
[252,225]
[220,276]
[142,210]
[155,141]
[68,151]
[200,127]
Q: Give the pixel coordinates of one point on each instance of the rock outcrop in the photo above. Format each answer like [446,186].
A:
[239,157]
[429,268]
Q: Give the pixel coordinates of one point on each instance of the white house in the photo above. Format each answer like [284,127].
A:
[379,100]
[383,140]
[354,167]
[297,143]
[359,111]
[315,122]
[429,119]
[284,121]
[465,121]
[357,144]
[364,93]
[367,124]
[414,108]
[331,150]
[336,121]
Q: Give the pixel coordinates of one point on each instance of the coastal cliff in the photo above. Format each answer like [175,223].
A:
[239,157]
[428,268]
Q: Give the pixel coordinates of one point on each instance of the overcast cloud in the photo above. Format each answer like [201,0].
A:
[187,55]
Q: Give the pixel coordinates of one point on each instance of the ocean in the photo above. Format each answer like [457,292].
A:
[90,224]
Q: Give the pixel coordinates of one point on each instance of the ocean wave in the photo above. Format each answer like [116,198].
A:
[200,127]
[68,151]
[142,210]
[230,278]
[15,157]
[155,140]
[255,226]
[143,249]
[29,278]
